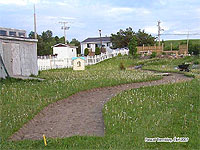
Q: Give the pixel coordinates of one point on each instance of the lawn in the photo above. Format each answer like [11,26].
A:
[176,43]
[158,111]
[22,100]
[170,65]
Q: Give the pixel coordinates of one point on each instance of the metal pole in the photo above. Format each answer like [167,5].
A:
[35,34]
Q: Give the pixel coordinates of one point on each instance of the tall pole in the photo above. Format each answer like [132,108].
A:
[64,27]
[159,29]
[35,33]
[100,40]
[187,41]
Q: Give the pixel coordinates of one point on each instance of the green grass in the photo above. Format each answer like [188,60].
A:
[176,43]
[170,65]
[158,111]
[22,100]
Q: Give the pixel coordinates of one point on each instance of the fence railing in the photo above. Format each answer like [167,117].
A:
[46,63]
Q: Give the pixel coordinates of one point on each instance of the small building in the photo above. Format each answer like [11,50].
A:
[92,43]
[12,32]
[78,63]
[64,51]
[18,56]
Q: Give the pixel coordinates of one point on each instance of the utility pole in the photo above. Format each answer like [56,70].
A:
[159,31]
[187,41]
[35,33]
[64,27]
[100,39]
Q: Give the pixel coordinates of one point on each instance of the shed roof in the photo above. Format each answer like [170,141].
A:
[64,45]
[97,39]
[74,58]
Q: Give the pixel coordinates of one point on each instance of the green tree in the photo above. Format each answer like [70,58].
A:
[97,51]
[144,38]
[75,42]
[122,38]
[86,51]
[132,46]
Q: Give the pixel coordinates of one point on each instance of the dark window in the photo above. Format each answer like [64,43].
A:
[108,44]
[11,33]
[3,32]
[21,34]
[88,45]
[72,50]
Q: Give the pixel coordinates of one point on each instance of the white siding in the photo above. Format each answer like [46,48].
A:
[64,52]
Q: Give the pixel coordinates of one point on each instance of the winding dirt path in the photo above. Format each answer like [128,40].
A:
[81,113]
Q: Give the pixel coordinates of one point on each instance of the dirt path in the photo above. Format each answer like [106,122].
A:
[81,113]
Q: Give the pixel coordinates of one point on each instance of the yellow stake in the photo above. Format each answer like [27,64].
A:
[45,141]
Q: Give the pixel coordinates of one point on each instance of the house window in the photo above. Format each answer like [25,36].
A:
[88,45]
[3,32]
[72,50]
[11,33]
[21,34]
[108,44]
[78,64]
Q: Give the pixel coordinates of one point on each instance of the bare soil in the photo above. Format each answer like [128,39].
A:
[81,113]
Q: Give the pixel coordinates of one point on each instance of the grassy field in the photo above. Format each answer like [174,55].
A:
[22,100]
[176,43]
[170,65]
[159,111]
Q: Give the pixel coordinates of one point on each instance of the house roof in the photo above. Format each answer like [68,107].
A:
[96,39]
[73,58]
[64,45]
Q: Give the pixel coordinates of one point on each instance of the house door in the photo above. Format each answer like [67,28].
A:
[15,60]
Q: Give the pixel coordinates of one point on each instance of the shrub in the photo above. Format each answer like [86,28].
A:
[86,51]
[163,53]
[196,62]
[153,55]
[120,55]
[97,51]
[121,66]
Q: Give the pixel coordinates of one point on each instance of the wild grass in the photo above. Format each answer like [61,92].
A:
[22,100]
[158,111]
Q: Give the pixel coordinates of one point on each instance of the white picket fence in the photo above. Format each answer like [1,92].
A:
[54,63]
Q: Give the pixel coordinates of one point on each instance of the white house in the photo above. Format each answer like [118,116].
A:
[18,54]
[64,51]
[92,43]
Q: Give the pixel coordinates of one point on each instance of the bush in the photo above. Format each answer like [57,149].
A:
[163,53]
[121,66]
[86,51]
[153,55]
[97,51]
[119,55]
[196,62]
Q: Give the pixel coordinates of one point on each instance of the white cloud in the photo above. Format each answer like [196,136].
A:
[151,29]
[18,2]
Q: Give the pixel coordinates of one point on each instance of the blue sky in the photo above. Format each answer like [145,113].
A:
[85,17]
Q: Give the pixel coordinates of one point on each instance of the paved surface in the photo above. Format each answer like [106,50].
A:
[81,113]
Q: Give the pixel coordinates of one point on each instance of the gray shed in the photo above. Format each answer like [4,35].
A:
[18,56]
